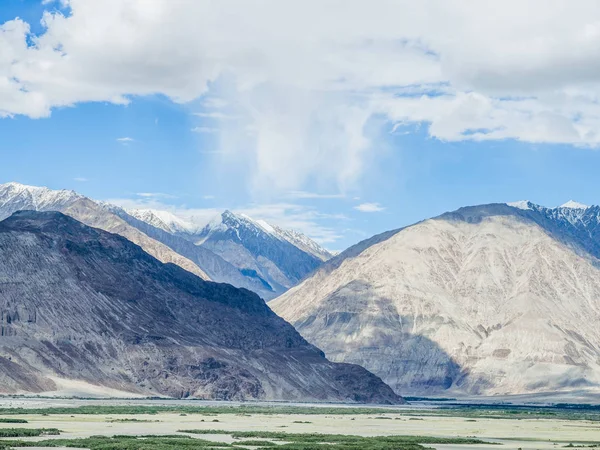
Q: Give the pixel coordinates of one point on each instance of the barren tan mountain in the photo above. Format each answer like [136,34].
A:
[487,300]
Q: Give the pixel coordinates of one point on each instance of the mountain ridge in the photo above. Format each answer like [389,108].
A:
[450,304]
[168,237]
[84,304]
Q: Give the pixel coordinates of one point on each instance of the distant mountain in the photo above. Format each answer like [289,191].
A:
[163,220]
[489,299]
[217,268]
[277,257]
[15,197]
[80,304]
[172,239]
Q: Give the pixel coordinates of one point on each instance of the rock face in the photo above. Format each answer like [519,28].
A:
[492,299]
[276,258]
[82,304]
[266,260]
[15,197]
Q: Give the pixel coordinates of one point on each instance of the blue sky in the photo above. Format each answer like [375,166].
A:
[294,148]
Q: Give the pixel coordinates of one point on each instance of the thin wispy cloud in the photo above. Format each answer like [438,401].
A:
[80,179]
[125,140]
[369,207]
[215,115]
[214,103]
[155,195]
[205,130]
[311,195]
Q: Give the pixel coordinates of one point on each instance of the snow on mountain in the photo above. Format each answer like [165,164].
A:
[81,304]
[278,258]
[164,220]
[522,204]
[172,239]
[15,197]
[574,205]
[303,242]
[490,299]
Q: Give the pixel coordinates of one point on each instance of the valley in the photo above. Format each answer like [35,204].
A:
[157,424]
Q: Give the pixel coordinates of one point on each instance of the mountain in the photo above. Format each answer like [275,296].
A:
[163,220]
[490,299]
[279,259]
[160,233]
[15,197]
[78,304]
[215,267]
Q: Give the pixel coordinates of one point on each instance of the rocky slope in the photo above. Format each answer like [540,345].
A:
[492,299]
[15,197]
[172,239]
[82,304]
[213,265]
[277,258]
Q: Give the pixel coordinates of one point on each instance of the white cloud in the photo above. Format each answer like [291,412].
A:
[215,115]
[125,140]
[369,207]
[205,130]
[80,179]
[311,195]
[154,195]
[468,70]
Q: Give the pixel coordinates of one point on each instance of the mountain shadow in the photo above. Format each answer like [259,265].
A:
[356,326]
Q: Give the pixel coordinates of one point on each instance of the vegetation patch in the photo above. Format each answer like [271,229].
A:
[204,410]
[315,441]
[123,443]
[131,420]
[12,420]
[28,432]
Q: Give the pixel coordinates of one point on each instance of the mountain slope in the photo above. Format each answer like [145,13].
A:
[492,299]
[163,220]
[15,197]
[217,268]
[279,259]
[82,304]
[171,239]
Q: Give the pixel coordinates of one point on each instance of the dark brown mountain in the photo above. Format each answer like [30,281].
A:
[78,303]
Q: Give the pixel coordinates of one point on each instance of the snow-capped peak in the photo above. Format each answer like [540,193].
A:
[572,204]
[521,204]
[34,197]
[303,242]
[265,226]
[164,220]
[238,221]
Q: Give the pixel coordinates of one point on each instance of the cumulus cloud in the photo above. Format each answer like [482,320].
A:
[306,78]
[369,207]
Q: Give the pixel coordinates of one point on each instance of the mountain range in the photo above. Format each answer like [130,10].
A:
[78,304]
[232,249]
[486,300]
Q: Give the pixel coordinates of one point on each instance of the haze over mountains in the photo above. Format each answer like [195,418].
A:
[490,299]
[78,303]
[240,251]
